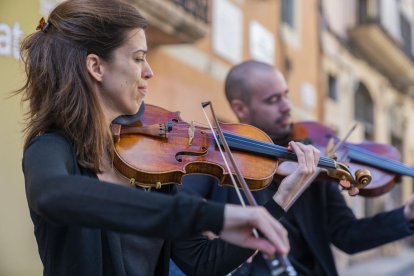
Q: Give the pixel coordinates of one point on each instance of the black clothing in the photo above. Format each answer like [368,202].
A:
[80,223]
[317,219]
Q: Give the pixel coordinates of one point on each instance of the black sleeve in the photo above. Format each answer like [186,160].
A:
[198,185]
[274,209]
[61,197]
[208,187]
[353,235]
[200,256]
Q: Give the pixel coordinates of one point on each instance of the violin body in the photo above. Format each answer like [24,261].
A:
[164,155]
[383,161]
[161,148]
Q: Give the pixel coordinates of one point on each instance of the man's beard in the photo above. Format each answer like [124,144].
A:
[284,137]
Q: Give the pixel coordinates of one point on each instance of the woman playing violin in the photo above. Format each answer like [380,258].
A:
[258,95]
[86,65]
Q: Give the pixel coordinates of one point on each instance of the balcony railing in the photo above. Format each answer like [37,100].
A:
[174,21]
[198,8]
[390,53]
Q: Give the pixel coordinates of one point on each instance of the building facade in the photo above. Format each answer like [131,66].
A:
[367,79]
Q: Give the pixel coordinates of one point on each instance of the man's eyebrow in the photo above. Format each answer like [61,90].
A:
[144,51]
[276,95]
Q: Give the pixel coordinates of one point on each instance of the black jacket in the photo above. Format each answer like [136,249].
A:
[78,219]
[319,218]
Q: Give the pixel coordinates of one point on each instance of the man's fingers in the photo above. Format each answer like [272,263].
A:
[308,156]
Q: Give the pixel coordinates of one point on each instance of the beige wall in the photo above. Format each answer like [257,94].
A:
[18,252]
[195,69]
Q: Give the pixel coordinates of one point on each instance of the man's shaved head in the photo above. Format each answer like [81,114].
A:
[238,81]
[258,95]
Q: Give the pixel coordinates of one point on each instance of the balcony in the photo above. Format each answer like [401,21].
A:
[174,21]
[388,55]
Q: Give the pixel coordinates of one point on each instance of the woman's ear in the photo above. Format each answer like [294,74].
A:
[94,66]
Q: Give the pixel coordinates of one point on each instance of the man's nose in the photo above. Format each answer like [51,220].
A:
[285,105]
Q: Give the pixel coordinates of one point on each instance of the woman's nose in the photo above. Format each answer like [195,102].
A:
[147,72]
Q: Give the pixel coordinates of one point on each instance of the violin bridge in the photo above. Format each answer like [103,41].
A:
[191,130]
[329,147]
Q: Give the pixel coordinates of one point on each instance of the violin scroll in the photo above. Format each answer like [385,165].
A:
[352,183]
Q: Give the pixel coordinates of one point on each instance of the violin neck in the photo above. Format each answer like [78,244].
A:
[366,157]
[270,150]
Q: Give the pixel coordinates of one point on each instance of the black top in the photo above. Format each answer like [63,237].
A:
[319,218]
[80,222]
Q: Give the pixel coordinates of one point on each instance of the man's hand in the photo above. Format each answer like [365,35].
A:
[308,158]
[409,208]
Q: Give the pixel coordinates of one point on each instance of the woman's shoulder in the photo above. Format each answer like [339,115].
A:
[53,140]
[50,148]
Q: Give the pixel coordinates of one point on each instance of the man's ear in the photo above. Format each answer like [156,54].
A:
[241,110]
[94,66]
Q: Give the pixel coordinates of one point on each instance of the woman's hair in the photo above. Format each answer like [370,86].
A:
[58,87]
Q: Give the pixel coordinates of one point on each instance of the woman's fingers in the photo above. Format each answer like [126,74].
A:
[238,229]
[272,230]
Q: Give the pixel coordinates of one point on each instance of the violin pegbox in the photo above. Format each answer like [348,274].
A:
[351,183]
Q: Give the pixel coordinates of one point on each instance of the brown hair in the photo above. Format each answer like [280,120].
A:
[58,87]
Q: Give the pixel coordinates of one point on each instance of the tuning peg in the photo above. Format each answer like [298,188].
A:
[345,183]
[353,191]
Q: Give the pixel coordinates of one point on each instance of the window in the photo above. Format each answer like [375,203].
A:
[364,110]
[288,12]
[332,88]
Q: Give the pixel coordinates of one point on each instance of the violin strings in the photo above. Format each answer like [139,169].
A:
[365,156]
[361,155]
[355,153]
[253,145]
[272,149]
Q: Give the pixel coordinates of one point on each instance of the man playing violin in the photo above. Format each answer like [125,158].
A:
[258,95]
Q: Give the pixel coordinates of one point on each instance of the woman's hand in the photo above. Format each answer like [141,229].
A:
[238,229]
[296,182]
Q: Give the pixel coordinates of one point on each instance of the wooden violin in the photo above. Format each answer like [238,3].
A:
[383,161]
[161,148]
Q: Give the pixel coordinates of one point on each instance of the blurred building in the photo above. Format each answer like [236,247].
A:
[367,78]
[345,62]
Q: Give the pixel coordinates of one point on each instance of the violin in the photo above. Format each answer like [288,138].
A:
[161,148]
[383,161]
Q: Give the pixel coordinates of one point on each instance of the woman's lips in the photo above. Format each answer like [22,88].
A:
[142,89]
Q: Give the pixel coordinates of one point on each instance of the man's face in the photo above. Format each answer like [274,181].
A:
[269,107]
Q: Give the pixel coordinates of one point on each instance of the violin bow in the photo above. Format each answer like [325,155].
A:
[282,265]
